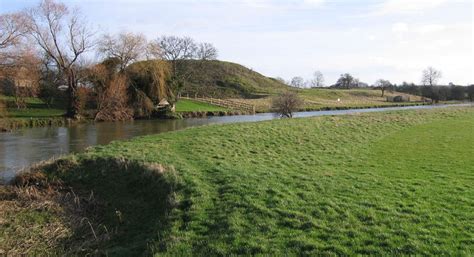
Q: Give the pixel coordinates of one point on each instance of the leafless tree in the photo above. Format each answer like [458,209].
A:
[154,51]
[177,48]
[12,28]
[383,85]
[63,36]
[206,51]
[126,47]
[430,76]
[114,100]
[297,82]
[286,104]
[318,79]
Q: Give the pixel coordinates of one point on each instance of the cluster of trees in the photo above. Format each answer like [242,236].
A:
[43,52]
[429,87]
[299,82]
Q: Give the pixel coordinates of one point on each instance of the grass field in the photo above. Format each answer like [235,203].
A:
[35,108]
[184,105]
[382,184]
[35,114]
[316,99]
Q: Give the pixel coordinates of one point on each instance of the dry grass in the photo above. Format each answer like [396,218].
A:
[39,216]
[42,215]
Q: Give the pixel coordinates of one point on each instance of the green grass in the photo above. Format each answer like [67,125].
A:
[35,108]
[320,99]
[393,183]
[220,79]
[184,105]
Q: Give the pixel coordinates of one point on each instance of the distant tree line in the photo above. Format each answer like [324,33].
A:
[428,88]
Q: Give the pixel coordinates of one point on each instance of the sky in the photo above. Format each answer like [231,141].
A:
[370,39]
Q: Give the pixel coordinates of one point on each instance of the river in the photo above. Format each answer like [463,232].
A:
[22,148]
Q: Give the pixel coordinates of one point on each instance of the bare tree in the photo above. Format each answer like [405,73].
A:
[297,82]
[154,51]
[64,37]
[206,51]
[12,28]
[126,47]
[383,85]
[430,76]
[318,79]
[114,100]
[286,104]
[177,48]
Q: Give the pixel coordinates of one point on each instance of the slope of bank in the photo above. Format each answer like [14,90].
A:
[381,183]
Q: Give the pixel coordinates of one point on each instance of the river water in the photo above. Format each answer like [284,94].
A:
[22,148]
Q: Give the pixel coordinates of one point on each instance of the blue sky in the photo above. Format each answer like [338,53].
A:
[371,39]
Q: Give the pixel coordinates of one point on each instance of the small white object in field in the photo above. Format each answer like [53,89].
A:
[338,99]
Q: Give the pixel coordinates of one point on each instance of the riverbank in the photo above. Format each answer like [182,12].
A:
[10,124]
[38,114]
[302,186]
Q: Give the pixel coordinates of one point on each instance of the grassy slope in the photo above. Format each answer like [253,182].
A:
[381,183]
[225,79]
[184,105]
[315,99]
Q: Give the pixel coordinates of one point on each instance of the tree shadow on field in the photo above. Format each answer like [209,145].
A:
[113,206]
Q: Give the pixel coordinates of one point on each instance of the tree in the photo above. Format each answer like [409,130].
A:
[12,28]
[64,37]
[286,104]
[318,79]
[383,85]
[22,75]
[297,82]
[175,48]
[346,81]
[430,76]
[126,47]
[149,85]
[470,92]
[458,92]
[206,51]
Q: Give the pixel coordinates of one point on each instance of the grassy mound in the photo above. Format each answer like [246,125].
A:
[225,79]
[380,183]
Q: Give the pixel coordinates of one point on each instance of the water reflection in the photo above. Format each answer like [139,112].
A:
[24,147]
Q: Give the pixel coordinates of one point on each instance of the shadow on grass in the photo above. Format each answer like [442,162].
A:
[119,208]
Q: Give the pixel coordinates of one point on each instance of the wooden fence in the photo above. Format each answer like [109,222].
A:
[231,104]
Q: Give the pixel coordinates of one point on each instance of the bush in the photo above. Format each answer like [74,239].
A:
[287,103]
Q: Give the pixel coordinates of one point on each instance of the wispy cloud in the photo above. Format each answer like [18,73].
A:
[406,6]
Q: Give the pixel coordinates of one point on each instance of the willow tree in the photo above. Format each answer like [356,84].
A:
[149,84]
[64,37]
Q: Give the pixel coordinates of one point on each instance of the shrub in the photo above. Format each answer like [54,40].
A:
[287,103]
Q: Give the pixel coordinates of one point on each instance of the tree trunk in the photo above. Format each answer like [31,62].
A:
[73,107]
[383,91]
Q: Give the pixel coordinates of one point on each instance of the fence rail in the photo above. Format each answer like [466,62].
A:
[231,104]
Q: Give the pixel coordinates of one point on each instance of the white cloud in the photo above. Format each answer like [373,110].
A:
[406,6]
[431,28]
[400,27]
[277,3]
